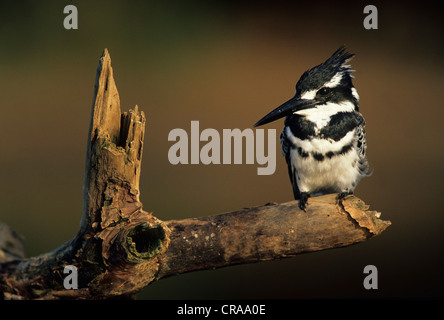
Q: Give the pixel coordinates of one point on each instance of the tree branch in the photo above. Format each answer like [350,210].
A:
[270,232]
[121,248]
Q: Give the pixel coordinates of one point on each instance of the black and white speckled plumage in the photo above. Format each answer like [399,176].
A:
[323,140]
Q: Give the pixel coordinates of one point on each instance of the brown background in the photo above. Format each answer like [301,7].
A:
[226,65]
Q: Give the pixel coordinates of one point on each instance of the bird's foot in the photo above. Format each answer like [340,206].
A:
[303,198]
[342,195]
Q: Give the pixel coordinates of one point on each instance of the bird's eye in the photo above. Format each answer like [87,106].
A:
[324,91]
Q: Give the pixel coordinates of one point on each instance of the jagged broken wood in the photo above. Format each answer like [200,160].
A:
[120,248]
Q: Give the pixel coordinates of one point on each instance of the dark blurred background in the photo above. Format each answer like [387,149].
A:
[227,64]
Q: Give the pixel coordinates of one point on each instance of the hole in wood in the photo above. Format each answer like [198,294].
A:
[145,241]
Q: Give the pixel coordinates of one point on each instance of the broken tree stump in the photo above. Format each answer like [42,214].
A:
[120,248]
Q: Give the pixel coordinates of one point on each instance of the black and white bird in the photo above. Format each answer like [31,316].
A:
[323,140]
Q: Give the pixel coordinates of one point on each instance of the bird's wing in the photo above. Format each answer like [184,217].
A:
[286,147]
[361,144]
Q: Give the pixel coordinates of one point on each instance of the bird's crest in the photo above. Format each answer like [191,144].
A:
[332,70]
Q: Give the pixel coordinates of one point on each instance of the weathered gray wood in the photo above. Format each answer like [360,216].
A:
[270,232]
[109,260]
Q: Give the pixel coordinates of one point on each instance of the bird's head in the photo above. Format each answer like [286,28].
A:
[326,88]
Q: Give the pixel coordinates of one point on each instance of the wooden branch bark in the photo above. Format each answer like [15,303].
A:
[121,248]
[269,232]
[11,244]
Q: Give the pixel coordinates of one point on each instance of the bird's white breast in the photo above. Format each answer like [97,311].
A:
[319,145]
[321,114]
[338,173]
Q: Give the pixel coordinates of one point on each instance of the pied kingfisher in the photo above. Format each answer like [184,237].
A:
[323,140]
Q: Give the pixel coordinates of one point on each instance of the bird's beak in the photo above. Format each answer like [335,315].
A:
[291,106]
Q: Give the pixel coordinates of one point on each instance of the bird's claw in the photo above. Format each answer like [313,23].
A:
[303,198]
[341,196]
